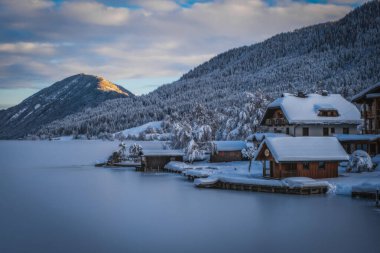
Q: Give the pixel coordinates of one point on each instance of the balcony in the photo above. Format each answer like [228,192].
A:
[276,122]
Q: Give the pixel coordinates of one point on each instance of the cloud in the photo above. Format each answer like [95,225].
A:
[42,42]
[27,48]
[95,13]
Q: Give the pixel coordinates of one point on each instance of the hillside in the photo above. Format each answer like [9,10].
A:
[341,57]
[55,102]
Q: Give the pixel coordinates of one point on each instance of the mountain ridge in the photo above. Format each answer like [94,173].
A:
[68,96]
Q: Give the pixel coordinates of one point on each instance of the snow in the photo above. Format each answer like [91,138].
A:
[296,182]
[135,131]
[347,182]
[230,145]
[305,149]
[299,110]
[37,106]
[177,166]
[163,152]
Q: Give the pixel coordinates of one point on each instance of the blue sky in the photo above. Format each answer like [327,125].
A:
[140,44]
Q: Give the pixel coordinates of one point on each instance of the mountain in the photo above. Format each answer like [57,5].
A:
[233,88]
[71,95]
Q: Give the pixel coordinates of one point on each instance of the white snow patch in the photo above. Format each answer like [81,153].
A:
[37,106]
[135,131]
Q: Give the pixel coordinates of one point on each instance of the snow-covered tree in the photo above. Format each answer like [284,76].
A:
[360,161]
[135,150]
[192,152]
[249,153]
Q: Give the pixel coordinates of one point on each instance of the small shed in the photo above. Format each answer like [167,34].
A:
[227,151]
[370,143]
[314,157]
[155,160]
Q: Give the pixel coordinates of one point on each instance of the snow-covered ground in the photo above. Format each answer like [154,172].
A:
[135,131]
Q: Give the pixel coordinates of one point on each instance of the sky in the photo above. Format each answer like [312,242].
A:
[139,44]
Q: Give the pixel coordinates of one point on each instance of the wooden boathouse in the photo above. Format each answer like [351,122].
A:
[313,157]
[227,151]
[155,160]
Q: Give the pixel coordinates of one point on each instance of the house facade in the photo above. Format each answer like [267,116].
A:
[314,157]
[311,115]
[369,101]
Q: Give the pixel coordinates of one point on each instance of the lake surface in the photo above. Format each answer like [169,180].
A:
[53,200]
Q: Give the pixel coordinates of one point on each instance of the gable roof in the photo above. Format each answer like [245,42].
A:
[230,145]
[298,110]
[293,149]
[365,93]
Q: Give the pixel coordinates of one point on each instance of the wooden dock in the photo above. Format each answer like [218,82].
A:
[266,188]
[367,194]
[125,165]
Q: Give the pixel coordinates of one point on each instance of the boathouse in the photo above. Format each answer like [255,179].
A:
[155,160]
[227,151]
[314,157]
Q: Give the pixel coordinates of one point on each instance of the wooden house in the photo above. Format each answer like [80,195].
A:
[155,160]
[370,143]
[369,99]
[311,115]
[227,151]
[314,157]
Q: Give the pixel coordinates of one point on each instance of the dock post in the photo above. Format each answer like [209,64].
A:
[377,198]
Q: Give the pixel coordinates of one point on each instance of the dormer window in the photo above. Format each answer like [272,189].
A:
[328,113]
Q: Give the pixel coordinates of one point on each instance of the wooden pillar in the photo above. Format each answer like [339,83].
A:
[264,168]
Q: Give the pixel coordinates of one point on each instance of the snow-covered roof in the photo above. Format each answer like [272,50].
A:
[163,152]
[365,92]
[230,145]
[292,149]
[357,137]
[261,136]
[304,110]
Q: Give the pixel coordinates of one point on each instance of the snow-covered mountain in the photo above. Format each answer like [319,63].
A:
[55,102]
[232,89]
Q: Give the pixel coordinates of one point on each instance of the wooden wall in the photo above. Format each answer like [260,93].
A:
[297,170]
[226,156]
[156,163]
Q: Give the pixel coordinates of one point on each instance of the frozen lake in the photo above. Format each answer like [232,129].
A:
[53,200]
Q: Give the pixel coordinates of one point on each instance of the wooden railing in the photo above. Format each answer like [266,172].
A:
[275,122]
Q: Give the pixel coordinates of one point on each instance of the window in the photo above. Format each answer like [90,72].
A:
[332,130]
[321,165]
[328,113]
[346,130]
[287,130]
[325,131]
[306,166]
[305,131]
